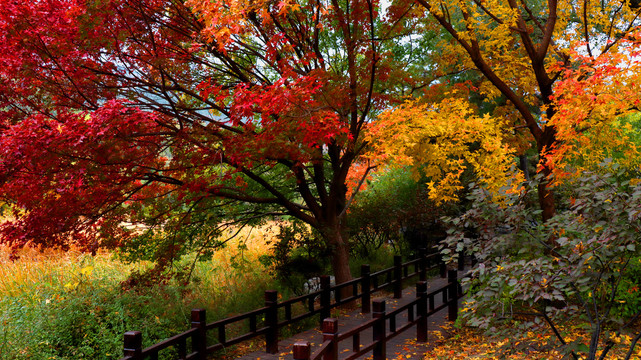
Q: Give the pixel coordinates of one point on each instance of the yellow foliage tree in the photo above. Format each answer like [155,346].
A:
[517,45]
[440,141]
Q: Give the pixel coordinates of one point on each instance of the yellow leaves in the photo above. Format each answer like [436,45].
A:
[87,270]
[493,29]
[71,285]
[621,339]
[441,141]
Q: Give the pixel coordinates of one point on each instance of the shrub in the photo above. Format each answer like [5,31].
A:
[86,319]
[572,268]
[395,210]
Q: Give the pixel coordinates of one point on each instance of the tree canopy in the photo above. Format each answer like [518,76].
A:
[522,50]
[123,111]
[440,141]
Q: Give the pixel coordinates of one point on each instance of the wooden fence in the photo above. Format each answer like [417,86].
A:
[268,320]
[417,310]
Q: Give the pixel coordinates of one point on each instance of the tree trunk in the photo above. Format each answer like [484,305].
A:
[546,200]
[546,142]
[340,263]
[337,239]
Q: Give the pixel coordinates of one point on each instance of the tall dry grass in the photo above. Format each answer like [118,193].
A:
[71,305]
[229,268]
[37,268]
[234,274]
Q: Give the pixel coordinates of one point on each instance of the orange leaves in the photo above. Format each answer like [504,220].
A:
[225,19]
[596,111]
[355,181]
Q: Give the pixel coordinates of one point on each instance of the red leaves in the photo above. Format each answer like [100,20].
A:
[279,118]
[110,107]
[75,166]
[589,102]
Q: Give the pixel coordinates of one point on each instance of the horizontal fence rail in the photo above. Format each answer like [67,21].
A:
[383,324]
[268,320]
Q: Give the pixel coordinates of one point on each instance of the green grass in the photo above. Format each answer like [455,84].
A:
[70,305]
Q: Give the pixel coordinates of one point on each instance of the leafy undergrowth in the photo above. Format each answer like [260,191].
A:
[471,343]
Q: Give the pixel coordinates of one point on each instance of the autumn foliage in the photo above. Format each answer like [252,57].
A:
[155,112]
[522,50]
[595,102]
[165,114]
[440,141]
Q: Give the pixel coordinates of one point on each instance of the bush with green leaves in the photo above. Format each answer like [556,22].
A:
[629,290]
[394,209]
[578,267]
[298,254]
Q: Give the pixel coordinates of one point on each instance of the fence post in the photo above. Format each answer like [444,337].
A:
[271,321]
[199,341]
[133,344]
[325,299]
[378,330]
[366,289]
[398,277]
[442,268]
[330,332]
[422,264]
[301,350]
[461,259]
[453,295]
[421,309]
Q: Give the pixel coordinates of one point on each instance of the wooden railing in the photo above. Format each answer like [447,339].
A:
[418,312]
[268,320]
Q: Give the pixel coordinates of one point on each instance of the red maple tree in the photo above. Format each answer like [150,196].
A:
[106,105]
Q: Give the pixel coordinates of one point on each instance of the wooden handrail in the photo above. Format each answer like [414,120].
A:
[380,319]
[362,287]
